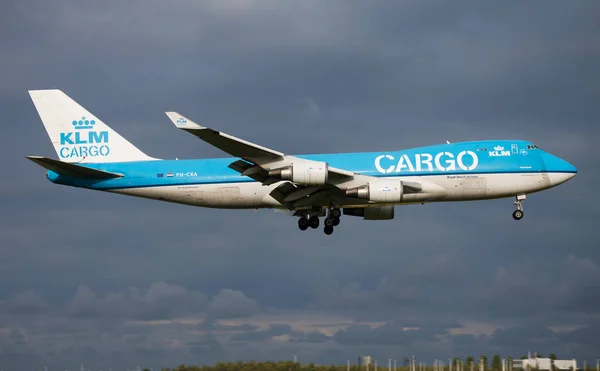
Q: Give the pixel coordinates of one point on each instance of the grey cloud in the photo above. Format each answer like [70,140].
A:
[273,330]
[524,336]
[159,301]
[388,333]
[232,303]
[555,286]
[302,78]
[26,302]
[207,346]
[585,335]
[212,326]
[311,337]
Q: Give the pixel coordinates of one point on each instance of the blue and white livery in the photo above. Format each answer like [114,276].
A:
[91,155]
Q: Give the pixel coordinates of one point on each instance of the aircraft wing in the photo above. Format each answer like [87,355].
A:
[228,143]
[255,161]
[254,155]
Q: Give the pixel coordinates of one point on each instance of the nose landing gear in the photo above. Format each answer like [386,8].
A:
[518,214]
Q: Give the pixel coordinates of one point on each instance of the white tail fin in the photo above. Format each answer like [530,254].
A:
[79,136]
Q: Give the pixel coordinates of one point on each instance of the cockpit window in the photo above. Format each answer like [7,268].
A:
[532,146]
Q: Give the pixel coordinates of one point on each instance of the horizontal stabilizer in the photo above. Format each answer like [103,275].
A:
[72,170]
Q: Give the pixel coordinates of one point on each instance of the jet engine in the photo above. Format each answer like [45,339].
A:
[372,213]
[378,191]
[314,173]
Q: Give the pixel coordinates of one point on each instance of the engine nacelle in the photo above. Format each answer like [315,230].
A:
[312,173]
[378,191]
[372,213]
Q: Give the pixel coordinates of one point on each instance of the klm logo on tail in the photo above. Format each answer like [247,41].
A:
[84,141]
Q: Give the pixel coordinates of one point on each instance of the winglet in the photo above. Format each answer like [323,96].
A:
[183,122]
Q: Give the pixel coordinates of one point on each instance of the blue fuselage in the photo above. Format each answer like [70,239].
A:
[482,157]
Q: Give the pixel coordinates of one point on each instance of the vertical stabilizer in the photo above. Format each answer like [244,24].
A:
[79,136]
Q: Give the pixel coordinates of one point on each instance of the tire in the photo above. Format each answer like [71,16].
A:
[302,224]
[517,215]
[329,223]
[313,222]
[328,230]
[336,221]
[336,213]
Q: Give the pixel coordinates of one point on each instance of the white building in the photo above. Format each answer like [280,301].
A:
[365,360]
[544,364]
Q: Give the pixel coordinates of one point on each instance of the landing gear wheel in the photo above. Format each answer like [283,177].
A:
[329,222]
[336,221]
[328,230]
[303,224]
[517,215]
[335,213]
[313,222]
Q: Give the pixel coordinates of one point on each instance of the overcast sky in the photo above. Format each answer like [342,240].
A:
[111,281]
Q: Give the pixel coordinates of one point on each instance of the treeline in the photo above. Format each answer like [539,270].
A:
[277,366]
[457,364]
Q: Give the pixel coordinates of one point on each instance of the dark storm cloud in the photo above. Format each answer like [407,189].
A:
[172,284]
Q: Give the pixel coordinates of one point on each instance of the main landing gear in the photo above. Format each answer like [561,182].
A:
[518,214]
[332,220]
[304,222]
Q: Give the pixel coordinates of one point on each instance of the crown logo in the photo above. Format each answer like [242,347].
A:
[499,148]
[83,124]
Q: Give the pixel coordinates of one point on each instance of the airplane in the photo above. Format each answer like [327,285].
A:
[367,184]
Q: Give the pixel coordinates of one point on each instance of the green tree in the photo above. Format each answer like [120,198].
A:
[496,363]
[469,364]
[552,356]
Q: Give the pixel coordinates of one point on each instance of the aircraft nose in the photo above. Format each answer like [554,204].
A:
[559,170]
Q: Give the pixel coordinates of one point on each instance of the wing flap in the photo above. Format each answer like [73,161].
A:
[252,171]
[281,191]
[72,170]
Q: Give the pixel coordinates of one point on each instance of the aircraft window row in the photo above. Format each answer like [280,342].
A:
[482,149]
[532,146]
